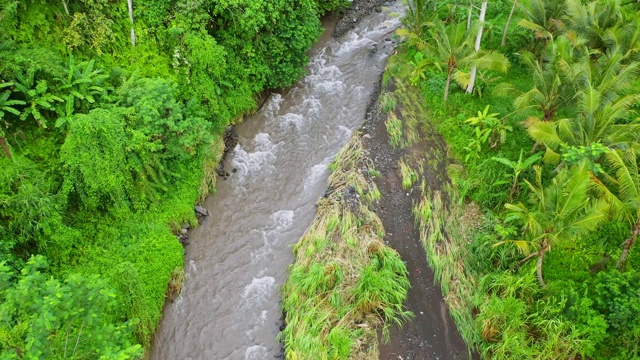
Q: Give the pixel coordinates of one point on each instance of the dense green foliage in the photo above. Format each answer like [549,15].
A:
[107,119]
[554,166]
[43,317]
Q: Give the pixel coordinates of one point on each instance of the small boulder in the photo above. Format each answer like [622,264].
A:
[201,211]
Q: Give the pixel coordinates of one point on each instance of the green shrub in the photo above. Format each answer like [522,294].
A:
[95,160]
[617,296]
[43,317]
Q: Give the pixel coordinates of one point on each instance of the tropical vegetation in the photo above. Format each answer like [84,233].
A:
[545,163]
[111,123]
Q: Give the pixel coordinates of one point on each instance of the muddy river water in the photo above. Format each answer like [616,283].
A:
[237,259]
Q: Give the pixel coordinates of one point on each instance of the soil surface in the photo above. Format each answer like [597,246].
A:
[432,334]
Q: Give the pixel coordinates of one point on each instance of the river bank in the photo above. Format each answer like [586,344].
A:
[411,158]
[411,164]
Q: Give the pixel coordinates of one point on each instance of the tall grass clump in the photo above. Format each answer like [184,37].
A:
[409,176]
[394,128]
[388,102]
[345,283]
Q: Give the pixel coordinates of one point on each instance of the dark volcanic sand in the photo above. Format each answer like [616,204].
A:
[432,334]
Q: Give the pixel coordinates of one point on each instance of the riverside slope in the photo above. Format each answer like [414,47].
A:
[432,334]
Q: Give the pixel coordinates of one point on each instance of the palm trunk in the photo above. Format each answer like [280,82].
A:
[541,253]
[635,232]
[446,87]
[66,6]
[133,31]
[535,147]
[472,76]
[5,147]
[528,257]
[506,27]
[469,17]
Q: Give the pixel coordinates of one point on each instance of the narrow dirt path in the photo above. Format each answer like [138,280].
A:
[432,334]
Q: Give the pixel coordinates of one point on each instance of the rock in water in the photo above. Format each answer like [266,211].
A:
[201,211]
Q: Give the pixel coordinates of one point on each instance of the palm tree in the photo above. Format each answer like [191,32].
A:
[418,16]
[543,17]
[506,27]
[606,27]
[558,213]
[624,200]
[133,31]
[625,38]
[593,20]
[476,46]
[629,38]
[550,89]
[452,50]
[604,110]
[65,4]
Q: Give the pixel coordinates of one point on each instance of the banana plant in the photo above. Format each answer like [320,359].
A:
[557,213]
[490,124]
[79,89]
[37,95]
[7,106]
[474,146]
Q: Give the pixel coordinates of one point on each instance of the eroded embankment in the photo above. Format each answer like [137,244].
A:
[412,160]
[345,283]
[418,189]
[409,161]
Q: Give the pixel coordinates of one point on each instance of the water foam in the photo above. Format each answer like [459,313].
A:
[261,252]
[273,104]
[345,132]
[314,175]
[257,292]
[354,43]
[247,163]
[291,120]
[326,80]
[313,107]
[281,220]
[256,352]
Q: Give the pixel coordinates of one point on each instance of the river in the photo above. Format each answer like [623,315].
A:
[237,259]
